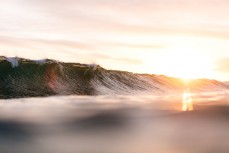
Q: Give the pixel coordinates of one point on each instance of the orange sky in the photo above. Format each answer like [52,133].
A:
[180,38]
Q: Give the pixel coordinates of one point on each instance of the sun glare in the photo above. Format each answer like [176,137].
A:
[181,63]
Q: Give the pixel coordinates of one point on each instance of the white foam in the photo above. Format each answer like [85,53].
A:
[14,61]
[94,66]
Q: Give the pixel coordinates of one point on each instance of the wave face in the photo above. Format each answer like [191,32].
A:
[27,78]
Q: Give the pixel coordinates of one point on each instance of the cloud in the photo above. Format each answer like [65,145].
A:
[87,18]
[66,48]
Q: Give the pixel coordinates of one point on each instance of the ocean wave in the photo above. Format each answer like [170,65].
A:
[27,78]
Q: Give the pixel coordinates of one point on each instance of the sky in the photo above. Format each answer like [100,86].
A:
[179,38]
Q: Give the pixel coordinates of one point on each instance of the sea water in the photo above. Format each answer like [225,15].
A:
[115,124]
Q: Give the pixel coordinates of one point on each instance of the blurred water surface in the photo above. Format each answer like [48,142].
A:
[115,124]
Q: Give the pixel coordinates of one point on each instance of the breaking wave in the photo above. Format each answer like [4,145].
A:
[27,78]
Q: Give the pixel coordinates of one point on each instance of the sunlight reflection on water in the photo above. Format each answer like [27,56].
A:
[187,101]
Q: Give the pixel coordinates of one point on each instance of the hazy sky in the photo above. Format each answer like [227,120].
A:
[181,38]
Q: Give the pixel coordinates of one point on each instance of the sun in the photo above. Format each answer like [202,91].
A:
[182,63]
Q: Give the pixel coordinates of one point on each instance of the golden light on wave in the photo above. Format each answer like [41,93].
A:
[187,101]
